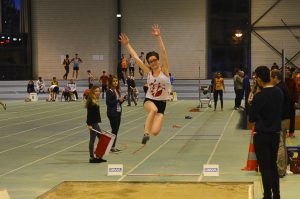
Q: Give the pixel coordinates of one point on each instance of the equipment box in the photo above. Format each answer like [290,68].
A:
[295,165]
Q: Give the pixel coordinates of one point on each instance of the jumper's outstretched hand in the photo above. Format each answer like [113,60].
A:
[155,30]
[123,39]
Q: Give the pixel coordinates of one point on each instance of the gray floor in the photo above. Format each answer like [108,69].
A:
[45,143]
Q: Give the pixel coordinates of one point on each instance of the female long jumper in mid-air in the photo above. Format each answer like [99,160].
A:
[158,82]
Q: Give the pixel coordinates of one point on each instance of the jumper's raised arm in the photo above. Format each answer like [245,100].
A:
[157,33]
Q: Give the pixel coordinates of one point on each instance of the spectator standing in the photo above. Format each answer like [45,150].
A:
[120,72]
[246,90]
[143,59]
[254,89]
[218,88]
[124,64]
[297,79]
[171,78]
[114,101]
[76,61]
[130,87]
[131,65]
[266,113]
[292,89]
[238,89]
[66,64]
[104,82]
[93,119]
[91,79]
[282,151]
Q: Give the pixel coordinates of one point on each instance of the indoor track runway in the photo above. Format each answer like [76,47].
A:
[43,144]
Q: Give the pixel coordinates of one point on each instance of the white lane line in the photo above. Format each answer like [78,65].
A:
[17,106]
[40,118]
[58,139]
[86,140]
[60,134]
[217,144]
[38,160]
[31,163]
[10,149]
[20,132]
[53,109]
[164,174]
[69,135]
[38,127]
[158,148]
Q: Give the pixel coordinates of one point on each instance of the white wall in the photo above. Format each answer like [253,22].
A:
[73,26]
[89,27]
[183,26]
[288,10]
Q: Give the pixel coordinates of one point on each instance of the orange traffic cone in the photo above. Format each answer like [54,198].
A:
[252,161]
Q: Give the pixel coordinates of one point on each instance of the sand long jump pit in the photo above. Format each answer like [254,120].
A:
[148,190]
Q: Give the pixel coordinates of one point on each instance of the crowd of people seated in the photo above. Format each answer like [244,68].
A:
[68,92]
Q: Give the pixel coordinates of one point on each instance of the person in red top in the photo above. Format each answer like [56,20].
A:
[104,82]
[292,90]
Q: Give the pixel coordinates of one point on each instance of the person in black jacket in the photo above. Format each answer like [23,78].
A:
[130,87]
[266,113]
[282,151]
[114,100]
[93,118]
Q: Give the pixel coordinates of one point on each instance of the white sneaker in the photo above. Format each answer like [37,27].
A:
[288,172]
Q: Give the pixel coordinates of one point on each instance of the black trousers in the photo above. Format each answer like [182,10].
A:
[238,97]
[104,89]
[115,122]
[93,136]
[292,118]
[266,149]
[67,68]
[216,94]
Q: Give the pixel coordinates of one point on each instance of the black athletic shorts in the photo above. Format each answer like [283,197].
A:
[160,105]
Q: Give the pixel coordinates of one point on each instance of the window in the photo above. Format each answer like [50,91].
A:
[10,16]
[228,39]
[15,45]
